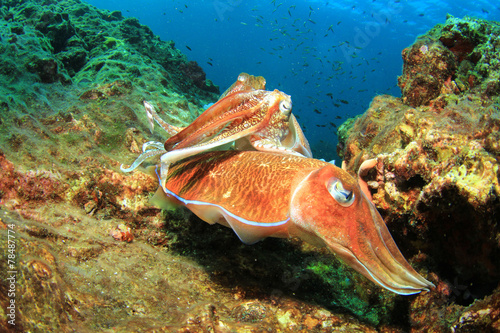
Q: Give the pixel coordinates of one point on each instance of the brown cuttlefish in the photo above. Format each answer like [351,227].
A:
[267,194]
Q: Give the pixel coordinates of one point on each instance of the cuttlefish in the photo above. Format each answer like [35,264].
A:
[267,194]
[246,116]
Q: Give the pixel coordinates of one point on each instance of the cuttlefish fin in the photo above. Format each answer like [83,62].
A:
[363,171]
[162,201]
[249,232]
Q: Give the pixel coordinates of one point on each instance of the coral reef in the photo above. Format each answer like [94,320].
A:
[436,180]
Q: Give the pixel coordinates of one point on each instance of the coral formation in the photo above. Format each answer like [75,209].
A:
[437,177]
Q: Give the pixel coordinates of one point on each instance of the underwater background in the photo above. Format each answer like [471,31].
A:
[332,57]
[83,249]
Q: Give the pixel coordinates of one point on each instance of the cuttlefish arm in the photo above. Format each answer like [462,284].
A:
[244,83]
[153,116]
[296,140]
[262,195]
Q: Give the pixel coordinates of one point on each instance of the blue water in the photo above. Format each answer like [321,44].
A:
[332,57]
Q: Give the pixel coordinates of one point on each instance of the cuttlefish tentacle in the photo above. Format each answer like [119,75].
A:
[261,195]
[144,156]
[154,144]
[363,171]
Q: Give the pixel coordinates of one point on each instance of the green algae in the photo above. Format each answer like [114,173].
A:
[475,43]
[347,292]
[344,130]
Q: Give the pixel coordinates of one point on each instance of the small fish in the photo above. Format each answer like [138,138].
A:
[187,47]
[311,21]
[333,125]
[317,111]
[208,62]
[343,101]
[338,117]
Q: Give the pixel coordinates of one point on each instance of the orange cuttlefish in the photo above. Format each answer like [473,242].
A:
[268,194]
[246,115]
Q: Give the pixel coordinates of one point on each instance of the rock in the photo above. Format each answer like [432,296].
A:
[436,181]
[452,58]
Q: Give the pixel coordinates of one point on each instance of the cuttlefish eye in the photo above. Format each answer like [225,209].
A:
[286,106]
[344,197]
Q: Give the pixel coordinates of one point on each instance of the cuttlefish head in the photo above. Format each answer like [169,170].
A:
[329,209]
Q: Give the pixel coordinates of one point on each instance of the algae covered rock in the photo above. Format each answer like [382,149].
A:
[437,179]
[437,176]
[453,57]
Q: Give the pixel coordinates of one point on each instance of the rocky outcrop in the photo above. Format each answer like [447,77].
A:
[436,181]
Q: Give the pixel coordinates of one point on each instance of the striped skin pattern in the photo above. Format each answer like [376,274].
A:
[262,194]
[215,175]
